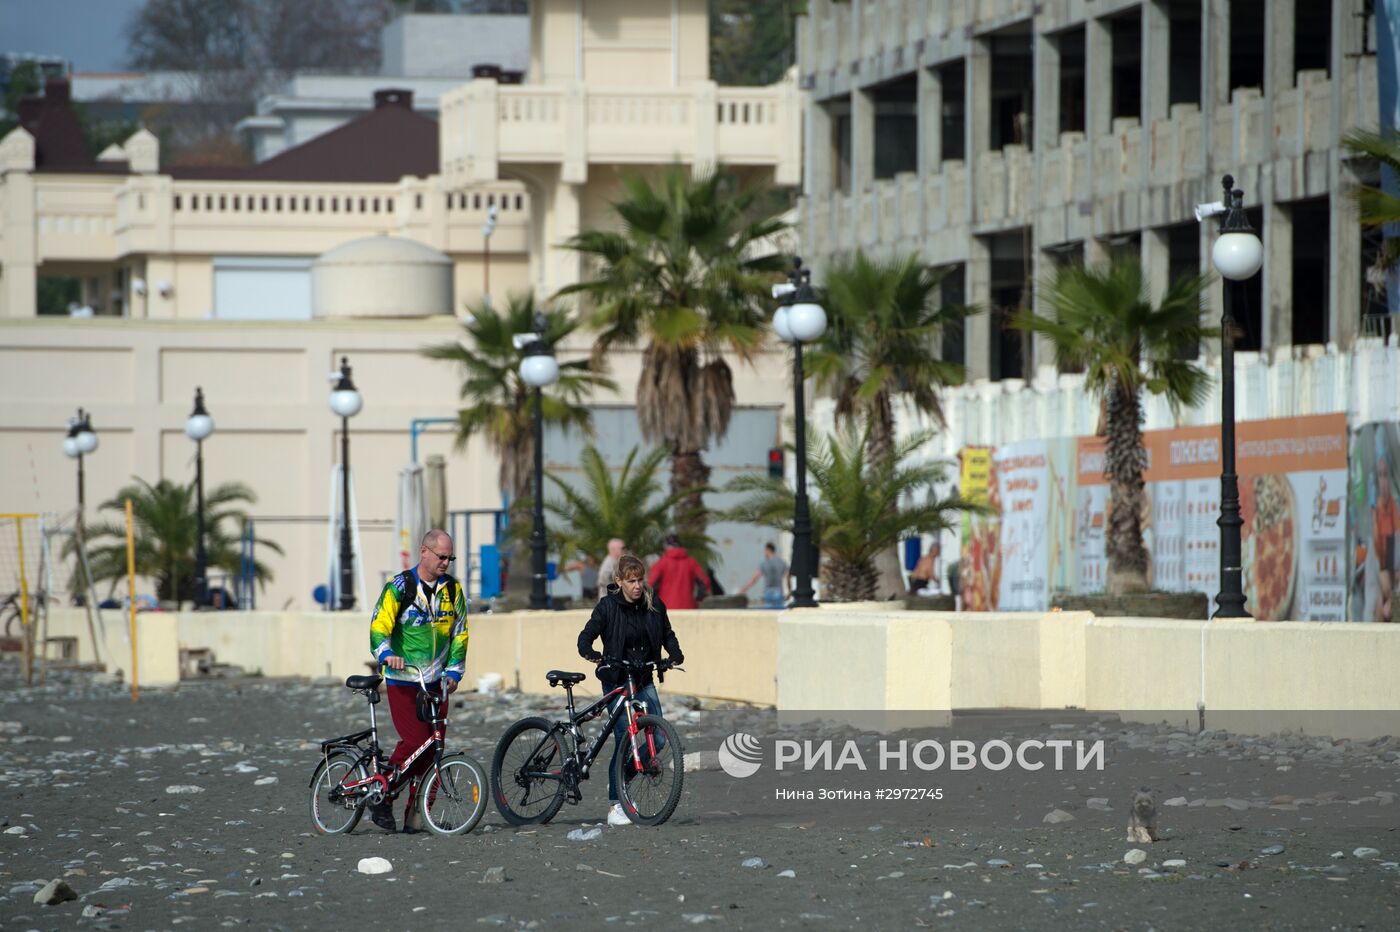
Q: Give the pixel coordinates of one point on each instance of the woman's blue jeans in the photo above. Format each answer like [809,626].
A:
[648,695]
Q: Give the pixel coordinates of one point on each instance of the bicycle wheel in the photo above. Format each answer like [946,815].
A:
[452,796]
[526,770]
[651,796]
[331,812]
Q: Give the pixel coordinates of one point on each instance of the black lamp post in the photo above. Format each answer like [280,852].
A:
[800,319]
[346,402]
[81,439]
[1237,255]
[198,428]
[538,368]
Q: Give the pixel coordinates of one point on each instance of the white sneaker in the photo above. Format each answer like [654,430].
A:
[616,816]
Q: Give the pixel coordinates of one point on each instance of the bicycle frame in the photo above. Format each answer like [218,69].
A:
[582,758]
[380,784]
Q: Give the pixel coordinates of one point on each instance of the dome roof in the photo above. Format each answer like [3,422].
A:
[385,250]
[381,276]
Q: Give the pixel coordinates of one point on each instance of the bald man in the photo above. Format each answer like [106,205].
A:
[419,621]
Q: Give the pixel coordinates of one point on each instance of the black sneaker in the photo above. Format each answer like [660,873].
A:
[382,815]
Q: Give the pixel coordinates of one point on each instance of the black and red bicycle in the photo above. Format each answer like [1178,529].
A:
[539,764]
[354,772]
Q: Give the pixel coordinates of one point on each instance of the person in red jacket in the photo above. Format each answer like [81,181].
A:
[674,575]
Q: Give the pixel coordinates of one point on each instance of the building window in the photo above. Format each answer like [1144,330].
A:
[1312,36]
[1072,78]
[896,127]
[1184,51]
[1247,45]
[1310,222]
[953,80]
[1012,87]
[1126,38]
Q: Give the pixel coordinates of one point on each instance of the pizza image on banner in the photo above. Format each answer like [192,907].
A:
[1268,542]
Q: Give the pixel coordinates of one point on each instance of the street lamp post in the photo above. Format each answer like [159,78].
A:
[1237,256]
[81,440]
[800,319]
[346,402]
[198,427]
[538,368]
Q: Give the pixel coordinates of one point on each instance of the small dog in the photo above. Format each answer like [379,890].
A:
[1142,822]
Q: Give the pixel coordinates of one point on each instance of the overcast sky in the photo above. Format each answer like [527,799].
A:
[89,33]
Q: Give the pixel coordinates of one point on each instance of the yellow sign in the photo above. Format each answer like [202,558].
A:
[976,471]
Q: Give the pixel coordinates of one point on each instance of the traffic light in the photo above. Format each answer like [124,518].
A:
[775,463]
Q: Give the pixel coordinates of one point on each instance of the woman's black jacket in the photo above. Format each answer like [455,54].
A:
[610,620]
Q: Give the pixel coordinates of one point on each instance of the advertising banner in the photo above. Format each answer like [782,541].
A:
[1293,483]
[1374,517]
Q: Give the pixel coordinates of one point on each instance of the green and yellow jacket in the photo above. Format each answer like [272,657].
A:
[429,634]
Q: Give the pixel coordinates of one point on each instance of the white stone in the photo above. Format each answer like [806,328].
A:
[1365,853]
[1175,801]
[184,789]
[1174,862]
[1056,816]
[374,866]
[264,781]
[1135,856]
[579,834]
[787,873]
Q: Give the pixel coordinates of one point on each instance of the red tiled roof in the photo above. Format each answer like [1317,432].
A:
[382,146]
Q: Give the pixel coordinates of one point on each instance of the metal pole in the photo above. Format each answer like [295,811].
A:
[539,597]
[1230,600]
[347,557]
[201,571]
[81,504]
[803,595]
[486,268]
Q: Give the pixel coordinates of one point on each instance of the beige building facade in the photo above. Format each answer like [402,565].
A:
[207,277]
[1000,137]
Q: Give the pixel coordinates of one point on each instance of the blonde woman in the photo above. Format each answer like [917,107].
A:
[634,627]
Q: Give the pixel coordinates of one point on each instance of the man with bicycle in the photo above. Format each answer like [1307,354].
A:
[420,620]
[634,626]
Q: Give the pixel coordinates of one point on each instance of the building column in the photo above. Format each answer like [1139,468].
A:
[1046,91]
[1280,20]
[977,343]
[1344,223]
[1098,78]
[930,122]
[1277,290]
[978,109]
[562,222]
[1156,65]
[1213,305]
[819,176]
[1215,83]
[862,141]
[1156,262]
[1343,256]
[19,287]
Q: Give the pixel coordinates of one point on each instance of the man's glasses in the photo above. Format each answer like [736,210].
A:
[443,556]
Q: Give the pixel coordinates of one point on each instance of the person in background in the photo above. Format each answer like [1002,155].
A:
[674,575]
[924,578]
[588,576]
[774,573]
[607,570]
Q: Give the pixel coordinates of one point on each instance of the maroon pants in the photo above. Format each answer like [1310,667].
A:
[403,706]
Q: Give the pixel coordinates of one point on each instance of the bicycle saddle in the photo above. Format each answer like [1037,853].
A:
[568,679]
[363,682]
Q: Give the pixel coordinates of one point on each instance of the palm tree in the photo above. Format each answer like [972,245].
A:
[164,528]
[1378,208]
[630,507]
[863,505]
[1106,326]
[687,275]
[497,401]
[884,338]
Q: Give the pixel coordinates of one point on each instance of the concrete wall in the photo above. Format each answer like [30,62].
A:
[1251,676]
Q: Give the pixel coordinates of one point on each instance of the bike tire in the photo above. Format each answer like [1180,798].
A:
[329,774]
[530,744]
[452,796]
[651,797]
